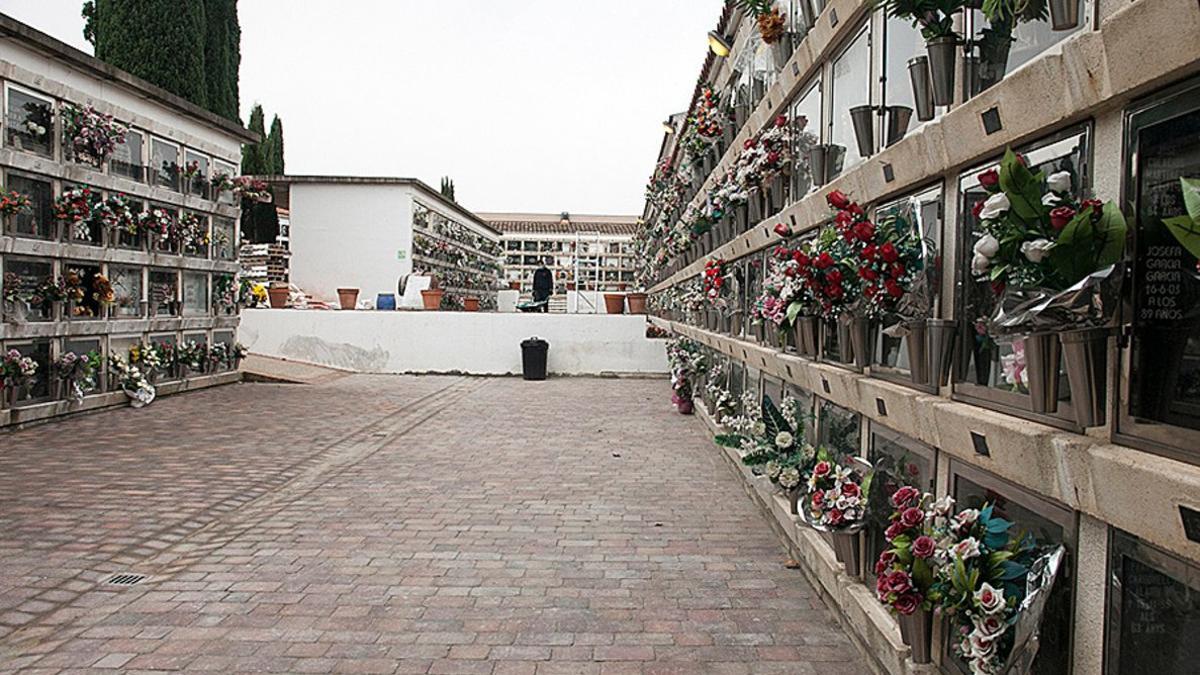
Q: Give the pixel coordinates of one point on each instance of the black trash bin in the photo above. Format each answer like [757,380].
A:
[533,358]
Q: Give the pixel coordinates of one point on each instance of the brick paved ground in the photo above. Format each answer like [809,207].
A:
[410,525]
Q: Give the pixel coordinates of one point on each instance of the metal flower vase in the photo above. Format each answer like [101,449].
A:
[777,196]
[898,119]
[918,357]
[863,119]
[818,156]
[1085,355]
[755,213]
[940,335]
[781,51]
[860,341]
[916,630]
[741,216]
[1042,358]
[794,496]
[807,328]
[922,87]
[942,53]
[846,546]
[1064,14]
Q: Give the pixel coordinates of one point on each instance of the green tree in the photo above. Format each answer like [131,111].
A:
[254,161]
[188,47]
[274,149]
[222,57]
[161,41]
[448,189]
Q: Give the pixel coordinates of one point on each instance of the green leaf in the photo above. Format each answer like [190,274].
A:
[1186,231]
[1011,571]
[729,440]
[1187,228]
[774,419]
[1024,189]
[922,573]
[793,311]
[1191,196]
[1111,231]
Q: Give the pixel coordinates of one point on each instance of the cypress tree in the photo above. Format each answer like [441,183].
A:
[161,41]
[222,57]
[254,161]
[274,151]
[188,47]
[448,189]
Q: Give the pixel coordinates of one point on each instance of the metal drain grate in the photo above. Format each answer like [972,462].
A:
[125,579]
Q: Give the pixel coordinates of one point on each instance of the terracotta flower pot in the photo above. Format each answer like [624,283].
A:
[570,285]
[470,304]
[637,303]
[685,407]
[514,285]
[432,298]
[614,303]
[278,296]
[348,297]
[622,286]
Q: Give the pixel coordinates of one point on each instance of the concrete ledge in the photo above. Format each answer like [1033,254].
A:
[1128,488]
[42,412]
[868,624]
[474,343]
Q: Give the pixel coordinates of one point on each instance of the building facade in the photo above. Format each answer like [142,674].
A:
[369,233]
[1088,98]
[84,271]
[584,252]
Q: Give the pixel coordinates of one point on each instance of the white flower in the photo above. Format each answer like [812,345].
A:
[982,646]
[995,206]
[966,518]
[1035,251]
[990,599]
[987,246]
[760,428]
[1050,199]
[989,624]
[789,477]
[784,439]
[772,469]
[967,548]
[1059,182]
[980,264]
[943,506]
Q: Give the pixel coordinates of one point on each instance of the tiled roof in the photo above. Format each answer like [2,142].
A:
[552,223]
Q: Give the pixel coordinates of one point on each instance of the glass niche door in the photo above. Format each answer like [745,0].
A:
[992,370]
[922,211]
[1160,375]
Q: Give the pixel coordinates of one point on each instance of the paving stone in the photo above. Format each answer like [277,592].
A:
[398,524]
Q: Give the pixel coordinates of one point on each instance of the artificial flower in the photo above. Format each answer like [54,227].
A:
[1037,250]
[997,205]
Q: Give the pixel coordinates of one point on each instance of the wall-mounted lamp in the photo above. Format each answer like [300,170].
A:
[719,44]
[668,127]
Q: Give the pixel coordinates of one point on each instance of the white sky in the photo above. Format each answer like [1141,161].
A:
[529,105]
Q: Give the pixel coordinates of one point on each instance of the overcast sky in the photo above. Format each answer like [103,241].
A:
[529,105]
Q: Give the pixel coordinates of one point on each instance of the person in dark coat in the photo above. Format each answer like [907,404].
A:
[543,286]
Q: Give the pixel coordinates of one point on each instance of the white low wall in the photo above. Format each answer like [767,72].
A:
[445,342]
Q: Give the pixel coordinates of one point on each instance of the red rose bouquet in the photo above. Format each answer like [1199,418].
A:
[905,571]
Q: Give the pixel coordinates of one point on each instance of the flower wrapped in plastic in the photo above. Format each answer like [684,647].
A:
[1049,258]
[838,493]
